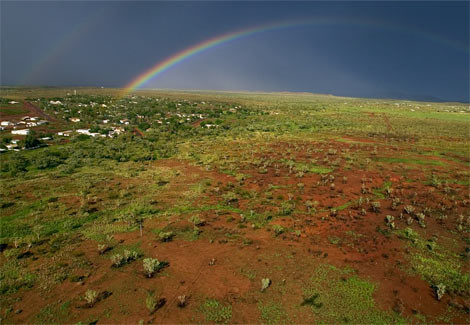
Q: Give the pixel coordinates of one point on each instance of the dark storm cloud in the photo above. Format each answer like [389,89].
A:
[402,49]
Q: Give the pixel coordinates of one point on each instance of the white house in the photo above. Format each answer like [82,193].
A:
[84,131]
[57,102]
[20,132]
[7,123]
[13,102]
[64,133]
[74,119]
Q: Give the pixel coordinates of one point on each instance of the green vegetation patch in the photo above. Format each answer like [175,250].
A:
[435,264]
[12,111]
[53,314]
[215,311]
[13,276]
[343,297]
[273,313]
[413,161]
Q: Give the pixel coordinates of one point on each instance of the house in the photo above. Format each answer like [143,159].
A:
[42,122]
[84,131]
[34,118]
[125,121]
[7,123]
[12,102]
[57,102]
[64,133]
[20,132]
[11,146]
[105,121]
[74,119]
[31,124]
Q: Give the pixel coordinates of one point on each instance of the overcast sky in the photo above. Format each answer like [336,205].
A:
[370,49]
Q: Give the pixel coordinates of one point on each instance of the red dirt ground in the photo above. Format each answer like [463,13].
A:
[379,258]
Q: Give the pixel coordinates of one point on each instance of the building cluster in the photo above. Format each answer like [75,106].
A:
[113,132]
[26,121]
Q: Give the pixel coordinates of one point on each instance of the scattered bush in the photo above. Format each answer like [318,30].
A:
[151,265]
[265,283]
[118,260]
[166,236]
[91,297]
[278,229]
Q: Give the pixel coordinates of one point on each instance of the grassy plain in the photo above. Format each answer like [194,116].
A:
[356,210]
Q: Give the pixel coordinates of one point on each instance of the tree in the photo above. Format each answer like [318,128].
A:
[31,141]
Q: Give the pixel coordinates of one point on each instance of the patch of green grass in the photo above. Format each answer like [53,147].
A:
[344,206]
[273,313]
[249,273]
[437,269]
[98,231]
[343,297]
[14,277]
[216,312]
[435,264]
[412,161]
[319,170]
[13,111]
[53,314]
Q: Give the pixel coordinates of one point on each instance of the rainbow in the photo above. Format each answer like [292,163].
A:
[166,64]
[187,53]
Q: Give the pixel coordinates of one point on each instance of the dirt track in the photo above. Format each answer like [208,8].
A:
[33,108]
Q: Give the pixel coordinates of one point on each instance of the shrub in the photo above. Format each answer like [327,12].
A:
[118,260]
[130,256]
[265,283]
[375,206]
[390,221]
[409,209]
[440,290]
[197,221]
[278,229]
[166,236]
[151,265]
[91,297]
[287,208]
[151,302]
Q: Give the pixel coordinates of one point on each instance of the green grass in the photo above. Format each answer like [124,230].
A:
[435,264]
[343,297]
[412,161]
[319,170]
[54,314]
[12,111]
[215,311]
[273,313]
[13,277]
